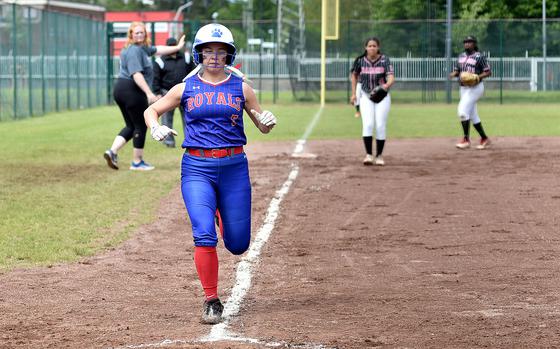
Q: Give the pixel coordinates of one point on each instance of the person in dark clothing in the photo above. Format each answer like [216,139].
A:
[169,71]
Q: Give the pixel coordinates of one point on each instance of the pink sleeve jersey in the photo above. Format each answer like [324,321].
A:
[213,113]
[474,63]
[372,73]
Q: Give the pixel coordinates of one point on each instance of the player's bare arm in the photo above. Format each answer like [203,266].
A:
[484,74]
[354,79]
[143,85]
[390,81]
[167,50]
[264,120]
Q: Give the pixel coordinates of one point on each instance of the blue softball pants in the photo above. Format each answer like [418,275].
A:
[208,184]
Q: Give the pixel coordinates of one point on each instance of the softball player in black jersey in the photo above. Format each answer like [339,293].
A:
[471,61]
[372,70]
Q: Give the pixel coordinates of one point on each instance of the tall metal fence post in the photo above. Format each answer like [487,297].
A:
[544,44]
[448,49]
[348,50]
[501,26]
[77,63]
[14,52]
[44,36]
[56,50]
[260,74]
[29,63]
[88,63]
[109,60]
[97,28]
[67,26]
[274,71]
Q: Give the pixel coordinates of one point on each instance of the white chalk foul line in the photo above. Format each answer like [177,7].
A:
[298,150]
[245,266]
[169,342]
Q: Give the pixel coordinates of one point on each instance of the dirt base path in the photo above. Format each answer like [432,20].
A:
[439,248]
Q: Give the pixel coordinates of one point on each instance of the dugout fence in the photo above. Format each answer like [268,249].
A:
[49,61]
[53,61]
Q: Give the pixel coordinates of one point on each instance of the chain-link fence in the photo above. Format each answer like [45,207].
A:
[52,62]
[49,61]
[521,70]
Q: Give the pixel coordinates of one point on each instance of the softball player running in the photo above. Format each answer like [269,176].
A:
[214,169]
[372,70]
[471,67]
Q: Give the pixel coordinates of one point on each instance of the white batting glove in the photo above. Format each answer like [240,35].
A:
[266,117]
[160,132]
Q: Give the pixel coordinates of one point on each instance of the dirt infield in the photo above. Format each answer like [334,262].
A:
[441,248]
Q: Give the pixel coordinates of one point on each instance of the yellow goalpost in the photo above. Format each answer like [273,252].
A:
[329,31]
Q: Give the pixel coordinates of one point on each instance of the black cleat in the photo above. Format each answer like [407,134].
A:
[212,311]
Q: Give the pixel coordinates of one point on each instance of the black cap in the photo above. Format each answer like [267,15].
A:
[171,42]
[469,38]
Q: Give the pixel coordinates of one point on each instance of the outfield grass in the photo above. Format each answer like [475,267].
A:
[60,202]
[440,120]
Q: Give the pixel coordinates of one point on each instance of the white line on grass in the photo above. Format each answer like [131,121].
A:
[246,265]
[301,142]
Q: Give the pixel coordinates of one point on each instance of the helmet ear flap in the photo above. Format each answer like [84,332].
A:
[230,57]
[197,55]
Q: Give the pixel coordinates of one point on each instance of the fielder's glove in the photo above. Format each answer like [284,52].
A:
[378,94]
[469,79]
[266,117]
[160,132]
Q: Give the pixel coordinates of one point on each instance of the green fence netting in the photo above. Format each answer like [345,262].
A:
[53,61]
[49,62]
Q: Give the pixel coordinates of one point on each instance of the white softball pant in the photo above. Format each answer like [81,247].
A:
[358,93]
[467,105]
[374,114]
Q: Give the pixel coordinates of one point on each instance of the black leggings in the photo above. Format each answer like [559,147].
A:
[132,102]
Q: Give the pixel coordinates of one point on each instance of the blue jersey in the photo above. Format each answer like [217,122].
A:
[213,113]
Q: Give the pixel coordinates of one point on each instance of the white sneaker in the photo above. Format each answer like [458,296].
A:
[368,160]
[463,144]
[484,143]
[141,166]
[379,161]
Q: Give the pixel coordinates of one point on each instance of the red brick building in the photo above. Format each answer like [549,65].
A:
[163,26]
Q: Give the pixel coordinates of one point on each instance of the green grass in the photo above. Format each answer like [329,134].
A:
[491,96]
[60,202]
[440,120]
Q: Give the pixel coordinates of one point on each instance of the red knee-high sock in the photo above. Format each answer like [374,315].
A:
[206,261]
